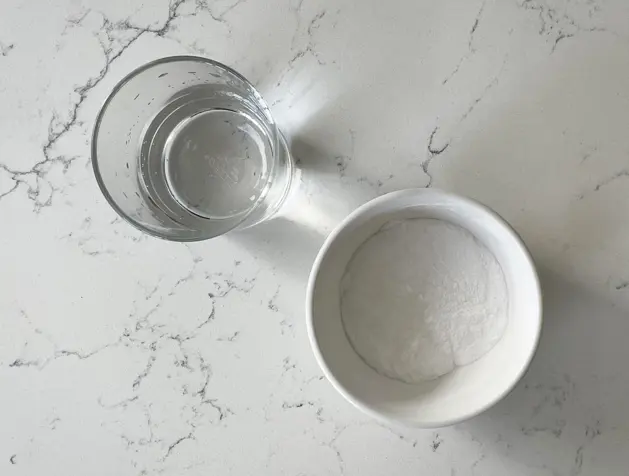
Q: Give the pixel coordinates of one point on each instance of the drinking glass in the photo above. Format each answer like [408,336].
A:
[185,149]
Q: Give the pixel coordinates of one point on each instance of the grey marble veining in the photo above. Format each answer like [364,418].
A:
[122,354]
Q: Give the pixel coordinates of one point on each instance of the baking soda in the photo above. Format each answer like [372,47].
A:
[422,297]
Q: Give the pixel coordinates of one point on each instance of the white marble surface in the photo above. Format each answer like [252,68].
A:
[126,355]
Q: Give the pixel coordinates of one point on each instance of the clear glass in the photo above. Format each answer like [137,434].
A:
[185,149]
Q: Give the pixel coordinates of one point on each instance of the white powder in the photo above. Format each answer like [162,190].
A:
[421,297]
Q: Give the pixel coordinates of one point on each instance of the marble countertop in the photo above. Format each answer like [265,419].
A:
[121,354]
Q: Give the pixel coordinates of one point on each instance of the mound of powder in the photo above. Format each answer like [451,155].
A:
[421,297]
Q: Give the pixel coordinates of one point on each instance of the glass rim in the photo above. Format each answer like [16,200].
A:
[99,117]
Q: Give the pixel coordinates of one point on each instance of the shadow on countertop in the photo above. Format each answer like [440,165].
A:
[319,200]
[570,413]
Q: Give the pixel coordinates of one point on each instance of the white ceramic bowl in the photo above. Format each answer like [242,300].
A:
[464,392]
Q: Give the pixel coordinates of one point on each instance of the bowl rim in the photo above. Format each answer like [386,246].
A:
[316,267]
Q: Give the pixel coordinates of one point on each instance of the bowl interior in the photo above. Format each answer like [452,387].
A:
[467,390]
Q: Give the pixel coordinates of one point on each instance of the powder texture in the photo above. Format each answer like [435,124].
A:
[421,297]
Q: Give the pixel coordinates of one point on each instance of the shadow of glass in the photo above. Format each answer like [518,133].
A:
[290,241]
[283,244]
